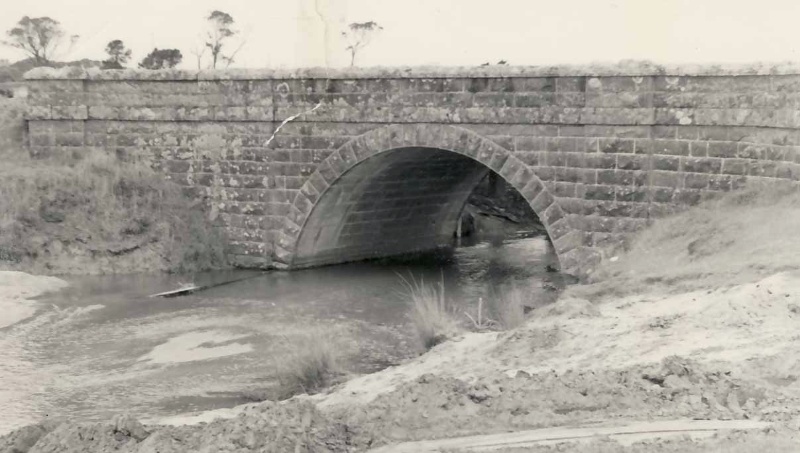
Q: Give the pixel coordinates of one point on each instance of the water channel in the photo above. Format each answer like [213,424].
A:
[102,346]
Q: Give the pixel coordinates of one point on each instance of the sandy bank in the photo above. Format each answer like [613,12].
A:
[16,288]
[743,326]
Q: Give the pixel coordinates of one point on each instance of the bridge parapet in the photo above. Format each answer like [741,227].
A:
[612,146]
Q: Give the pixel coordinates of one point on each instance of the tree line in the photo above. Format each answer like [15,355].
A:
[41,38]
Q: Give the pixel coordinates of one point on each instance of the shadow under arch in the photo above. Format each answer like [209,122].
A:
[336,214]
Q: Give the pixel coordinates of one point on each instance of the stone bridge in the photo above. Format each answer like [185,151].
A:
[312,167]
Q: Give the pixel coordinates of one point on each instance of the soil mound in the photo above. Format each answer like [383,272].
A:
[435,407]
[267,427]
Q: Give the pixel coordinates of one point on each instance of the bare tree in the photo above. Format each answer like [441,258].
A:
[358,36]
[229,59]
[198,53]
[220,30]
[39,37]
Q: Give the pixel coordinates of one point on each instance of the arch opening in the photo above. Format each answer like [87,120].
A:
[400,201]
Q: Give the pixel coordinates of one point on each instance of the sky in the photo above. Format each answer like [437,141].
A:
[292,33]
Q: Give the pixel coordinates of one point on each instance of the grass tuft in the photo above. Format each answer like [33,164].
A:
[433,318]
[313,364]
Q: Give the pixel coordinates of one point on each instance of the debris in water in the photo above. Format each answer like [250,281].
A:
[185,288]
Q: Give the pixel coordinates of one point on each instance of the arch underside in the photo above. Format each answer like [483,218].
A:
[401,188]
[400,201]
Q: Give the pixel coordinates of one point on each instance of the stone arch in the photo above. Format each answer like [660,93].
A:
[433,136]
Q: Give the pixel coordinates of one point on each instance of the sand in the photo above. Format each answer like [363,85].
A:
[16,288]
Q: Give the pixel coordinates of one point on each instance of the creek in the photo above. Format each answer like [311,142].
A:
[102,346]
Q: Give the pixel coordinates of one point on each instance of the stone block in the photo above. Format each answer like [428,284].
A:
[599,192]
[536,100]
[601,161]
[698,149]
[564,190]
[493,99]
[632,162]
[722,149]
[671,147]
[620,116]
[616,146]
[677,116]
[529,143]
[530,158]
[687,197]
[661,194]
[538,84]
[762,168]
[663,132]
[555,159]
[569,241]
[696,181]
[720,182]
[69,112]
[667,163]
[570,84]
[38,112]
[618,100]
[702,165]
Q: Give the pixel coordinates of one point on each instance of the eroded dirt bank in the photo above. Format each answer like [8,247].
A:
[95,213]
[698,319]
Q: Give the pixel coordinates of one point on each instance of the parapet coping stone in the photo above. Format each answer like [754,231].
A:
[630,69]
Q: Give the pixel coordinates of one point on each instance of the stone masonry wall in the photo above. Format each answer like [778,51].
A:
[596,152]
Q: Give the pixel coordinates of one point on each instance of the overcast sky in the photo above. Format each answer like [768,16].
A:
[286,33]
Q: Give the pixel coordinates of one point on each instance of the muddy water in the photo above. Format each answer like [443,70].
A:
[103,346]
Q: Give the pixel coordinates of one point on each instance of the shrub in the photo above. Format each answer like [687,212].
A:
[432,317]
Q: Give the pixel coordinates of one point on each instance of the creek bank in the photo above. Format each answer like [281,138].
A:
[99,215]
[651,359]
[95,213]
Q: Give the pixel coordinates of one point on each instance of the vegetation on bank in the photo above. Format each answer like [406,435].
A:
[432,317]
[435,319]
[314,363]
[95,214]
[737,237]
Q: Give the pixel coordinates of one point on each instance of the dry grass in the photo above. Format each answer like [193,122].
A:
[433,318]
[313,363]
[736,238]
[508,307]
[481,319]
[504,310]
[106,207]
